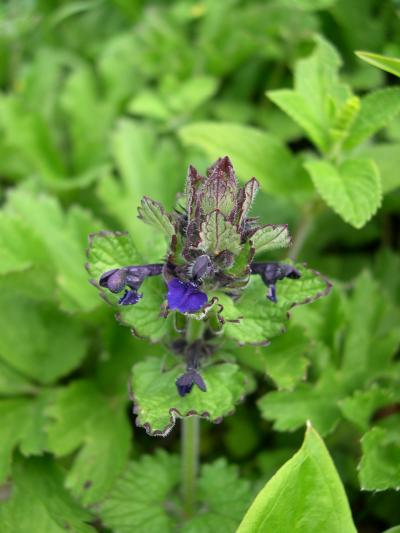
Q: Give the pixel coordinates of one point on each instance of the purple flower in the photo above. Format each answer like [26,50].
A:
[185,297]
[130,276]
[185,383]
[271,273]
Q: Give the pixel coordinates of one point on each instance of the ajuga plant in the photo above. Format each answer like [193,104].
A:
[208,292]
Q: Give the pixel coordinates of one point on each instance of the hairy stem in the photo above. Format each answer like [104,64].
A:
[190,439]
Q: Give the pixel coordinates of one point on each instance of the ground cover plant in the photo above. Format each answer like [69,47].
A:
[223,178]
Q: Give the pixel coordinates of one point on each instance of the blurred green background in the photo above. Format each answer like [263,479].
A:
[95,97]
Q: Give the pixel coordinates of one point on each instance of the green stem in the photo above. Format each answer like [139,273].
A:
[190,462]
[190,438]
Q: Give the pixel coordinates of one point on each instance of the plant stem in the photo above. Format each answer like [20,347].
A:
[301,236]
[190,462]
[190,438]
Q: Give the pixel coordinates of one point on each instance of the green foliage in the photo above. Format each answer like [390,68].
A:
[158,405]
[253,319]
[314,496]
[389,64]
[105,103]
[352,189]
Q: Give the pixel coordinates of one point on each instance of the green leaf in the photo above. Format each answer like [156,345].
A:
[255,319]
[298,109]
[271,237]
[373,336]
[12,382]
[379,468]
[38,340]
[314,498]
[58,232]
[317,91]
[387,159]
[360,407]
[317,403]
[253,153]
[108,250]
[39,502]
[153,213]
[158,404]
[83,418]
[352,190]
[224,498]
[139,499]
[22,424]
[218,234]
[284,358]
[386,63]
[377,110]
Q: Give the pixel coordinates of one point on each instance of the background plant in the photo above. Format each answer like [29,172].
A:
[105,102]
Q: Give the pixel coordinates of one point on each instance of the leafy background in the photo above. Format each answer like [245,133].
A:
[105,101]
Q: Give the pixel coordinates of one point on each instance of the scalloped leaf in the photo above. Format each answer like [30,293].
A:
[108,250]
[271,237]
[39,502]
[255,319]
[158,404]
[138,499]
[83,418]
[379,468]
[153,213]
[353,189]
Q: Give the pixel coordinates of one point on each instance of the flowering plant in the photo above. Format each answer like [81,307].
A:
[209,289]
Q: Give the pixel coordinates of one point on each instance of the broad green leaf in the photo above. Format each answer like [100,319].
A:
[58,233]
[20,247]
[314,402]
[271,237]
[298,109]
[158,404]
[284,358]
[377,110]
[22,424]
[140,499]
[12,382]
[360,407]
[317,92]
[224,498]
[306,494]
[379,468]
[39,502]
[83,418]
[108,250]
[38,340]
[373,336]
[192,93]
[253,153]
[387,159]
[389,64]
[352,190]
[255,319]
